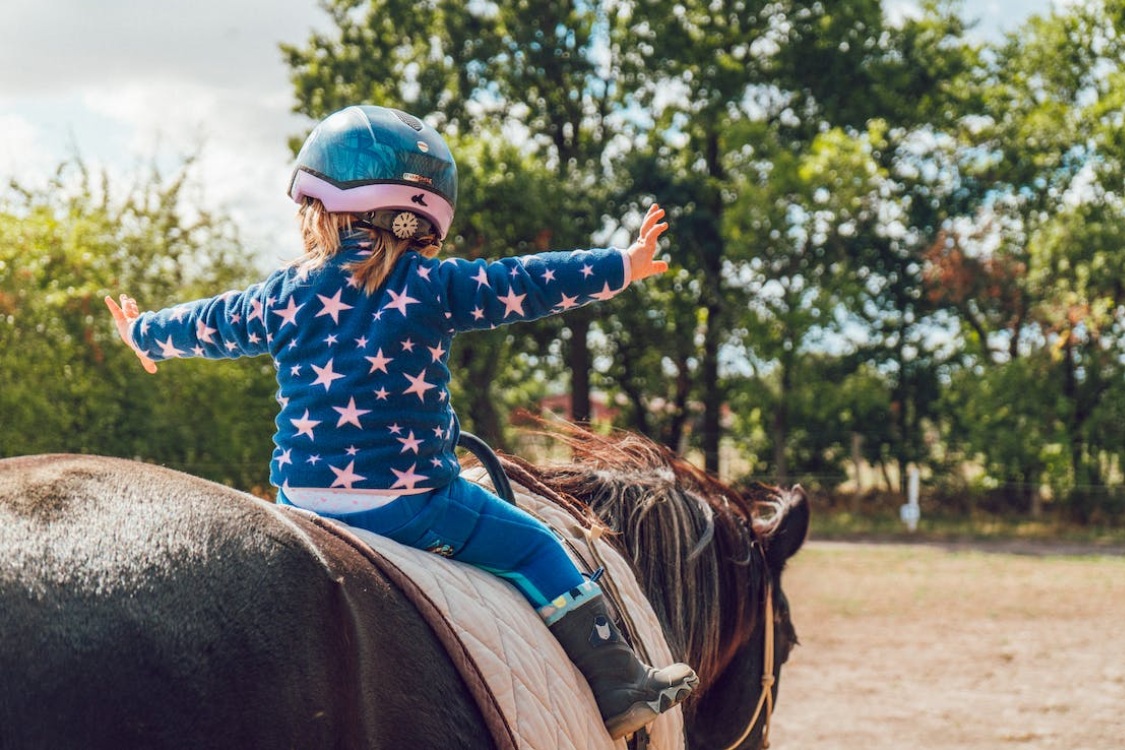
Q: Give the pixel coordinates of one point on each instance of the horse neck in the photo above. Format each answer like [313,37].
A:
[691,544]
[700,564]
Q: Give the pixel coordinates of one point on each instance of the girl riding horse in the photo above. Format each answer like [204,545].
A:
[359,330]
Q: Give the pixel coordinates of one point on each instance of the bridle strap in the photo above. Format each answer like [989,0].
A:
[765,700]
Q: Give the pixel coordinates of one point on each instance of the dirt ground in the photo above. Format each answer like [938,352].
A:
[908,647]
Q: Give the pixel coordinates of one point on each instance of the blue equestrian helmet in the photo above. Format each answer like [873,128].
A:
[382,162]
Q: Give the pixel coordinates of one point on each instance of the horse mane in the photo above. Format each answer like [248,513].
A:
[694,542]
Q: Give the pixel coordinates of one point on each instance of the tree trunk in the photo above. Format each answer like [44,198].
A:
[484,420]
[780,424]
[712,395]
[712,263]
[578,321]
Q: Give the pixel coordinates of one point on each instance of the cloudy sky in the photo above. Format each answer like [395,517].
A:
[119,82]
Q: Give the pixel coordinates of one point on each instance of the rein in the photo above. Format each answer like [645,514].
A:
[765,700]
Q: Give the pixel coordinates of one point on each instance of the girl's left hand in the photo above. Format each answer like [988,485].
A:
[641,252]
[123,317]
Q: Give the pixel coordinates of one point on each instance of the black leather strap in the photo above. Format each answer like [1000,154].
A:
[491,463]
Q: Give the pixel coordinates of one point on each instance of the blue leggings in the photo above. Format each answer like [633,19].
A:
[468,523]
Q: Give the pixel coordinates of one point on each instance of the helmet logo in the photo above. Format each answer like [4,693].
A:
[420,199]
[411,177]
[423,147]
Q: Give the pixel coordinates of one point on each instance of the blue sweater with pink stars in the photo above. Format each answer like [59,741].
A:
[363,378]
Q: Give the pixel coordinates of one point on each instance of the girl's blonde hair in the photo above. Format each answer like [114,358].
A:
[321,229]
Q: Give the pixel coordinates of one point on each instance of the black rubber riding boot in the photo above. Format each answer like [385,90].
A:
[630,694]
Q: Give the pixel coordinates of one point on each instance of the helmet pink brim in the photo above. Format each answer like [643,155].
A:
[376,196]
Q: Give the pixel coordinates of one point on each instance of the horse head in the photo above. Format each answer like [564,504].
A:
[710,559]
[734,712]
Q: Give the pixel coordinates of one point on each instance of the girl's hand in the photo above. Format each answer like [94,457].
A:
[642,251]
[123,317]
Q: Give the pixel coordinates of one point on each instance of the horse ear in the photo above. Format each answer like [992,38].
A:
[790,533]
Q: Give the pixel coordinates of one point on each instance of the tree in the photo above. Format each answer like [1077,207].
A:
[66,383]
[1045,246]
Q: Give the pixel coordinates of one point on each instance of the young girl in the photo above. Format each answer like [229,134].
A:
[360,329]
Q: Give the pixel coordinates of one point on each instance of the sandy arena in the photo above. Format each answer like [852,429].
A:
[907,647]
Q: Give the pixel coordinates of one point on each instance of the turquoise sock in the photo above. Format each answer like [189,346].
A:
[558,607]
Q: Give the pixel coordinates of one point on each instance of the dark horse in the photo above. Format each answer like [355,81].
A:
[145,608]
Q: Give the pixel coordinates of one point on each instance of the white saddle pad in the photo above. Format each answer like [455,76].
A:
[543,696]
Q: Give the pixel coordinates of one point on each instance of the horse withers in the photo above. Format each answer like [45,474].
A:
[142,607]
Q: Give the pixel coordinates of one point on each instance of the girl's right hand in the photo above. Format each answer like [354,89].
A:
[123,317]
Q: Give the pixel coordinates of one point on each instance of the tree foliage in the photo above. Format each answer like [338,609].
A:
[891,243]
[67,384]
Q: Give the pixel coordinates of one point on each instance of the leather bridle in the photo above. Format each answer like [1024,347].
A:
[765,700]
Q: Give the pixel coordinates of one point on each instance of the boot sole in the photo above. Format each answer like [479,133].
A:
[641,714]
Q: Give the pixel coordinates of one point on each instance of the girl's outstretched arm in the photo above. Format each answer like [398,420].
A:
[123,316]
[641,252]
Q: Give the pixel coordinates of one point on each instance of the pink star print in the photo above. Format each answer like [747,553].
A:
[289,314]
[481,278]
[203,332]
[378,362]
[350,414]
[513,303]
[305,425]
[325,375]
[604,294]
[409,443]
[255,311]
[407,479]
[567,302]
[333,306]
[167,349]
[346,477]
[400,301]
[418,385]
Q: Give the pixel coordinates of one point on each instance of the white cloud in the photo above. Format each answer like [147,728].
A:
[123,82]
[66,44]
[21,150]
[239,143]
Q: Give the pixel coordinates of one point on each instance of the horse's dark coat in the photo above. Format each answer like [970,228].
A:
[143,608]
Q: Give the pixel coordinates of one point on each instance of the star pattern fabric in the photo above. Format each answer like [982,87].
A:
[363,379]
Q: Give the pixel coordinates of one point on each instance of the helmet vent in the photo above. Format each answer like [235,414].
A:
[410,120]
